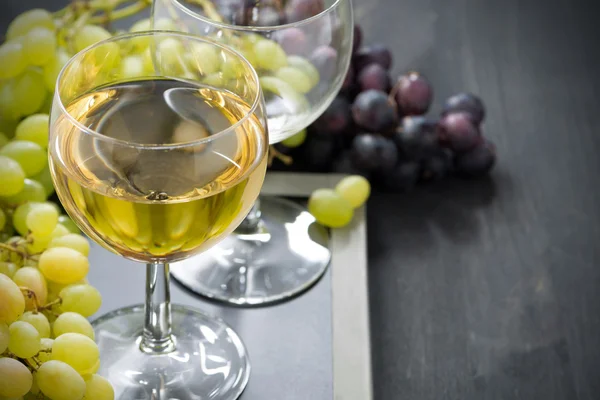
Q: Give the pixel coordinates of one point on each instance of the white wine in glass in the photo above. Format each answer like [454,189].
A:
[157,166]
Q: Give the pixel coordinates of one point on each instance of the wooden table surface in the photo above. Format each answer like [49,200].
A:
[491,289]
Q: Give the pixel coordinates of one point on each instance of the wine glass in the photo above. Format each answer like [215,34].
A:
[154,164]
[301,50]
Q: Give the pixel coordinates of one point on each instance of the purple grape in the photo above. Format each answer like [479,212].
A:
[437,166]
[343,164]
[466,102]
[318,153]
[349,79]
[375,77]
[373,111]
[375,54]
[336,119]
[298,10]
[403,177]
[358,36]
[477,162]
[254,13]
[373,153]
[413,94]
[293,41]
[417,137]
[324,58]
[458,132]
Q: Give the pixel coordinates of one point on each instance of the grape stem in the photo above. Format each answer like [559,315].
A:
[30,364]
[48,307]
[31,294]
[13,249]
[276,154]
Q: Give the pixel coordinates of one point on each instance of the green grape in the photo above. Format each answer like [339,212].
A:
[170,56]
[25,22]
[296,140]
[34,129]
[8,110]
[63,265]
[42,219]
[68,223]
[32,278]
[59,381]
[2,219]
[20,217]
[12,60]
[12,176]
[77,350]
[89,35]
[305,66]
[355,189]
[98,388]
[72,241]
[293,101]
[215,80]
[83,299]
[164,24]
[7,125]
[39,46]
[71,322]
[132,67]
[32,157]
[329,208]
[52,69]
[141,43]
[44,354]
[32,191]
[38,244]
[12,302]
[15,378]
[269,55]
[25,341]
[29,92]
[3,140]
[204,58]
[4,337]
[38,321]
[8,269]
[59,231]
[295,78]
[45,178]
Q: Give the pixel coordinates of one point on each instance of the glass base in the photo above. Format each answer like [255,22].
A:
[285,256]
[210,360]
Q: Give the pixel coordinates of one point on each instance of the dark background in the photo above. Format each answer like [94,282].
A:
[490,289]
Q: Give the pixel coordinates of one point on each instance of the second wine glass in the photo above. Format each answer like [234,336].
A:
[301,50]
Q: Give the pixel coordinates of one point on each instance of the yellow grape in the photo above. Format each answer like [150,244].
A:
[12,60]
[33,279]
[63,265]
[164,24]
[169,56]
[143,42]
[355,189]
[45,179]
[38,244]
[89,35]
[42,220]
[39,322]
[32,191]
[59,231]
[72,241]
[39,46]
[12,302]
[70,322]
[4,337]
[132,67]
[82,299]
[35,129]
[329,208]
[204,58]
[296,78]
[77,350]
[20,217]
[45,351]
[12,176]
[305,66]
[29,92]
[98,388]
[28,20]
[31,157]
[15,378]
[296,140]
[59,381]
[269,55]
[25,341]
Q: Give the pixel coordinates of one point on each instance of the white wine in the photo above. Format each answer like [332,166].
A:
[129,169]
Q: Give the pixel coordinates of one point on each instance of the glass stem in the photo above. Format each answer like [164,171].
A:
[251,224]
[157,337]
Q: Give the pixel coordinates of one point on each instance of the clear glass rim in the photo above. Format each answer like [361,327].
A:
[255,102]
[248,28]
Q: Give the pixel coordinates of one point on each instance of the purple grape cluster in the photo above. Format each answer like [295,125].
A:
[269,12]
[380,129]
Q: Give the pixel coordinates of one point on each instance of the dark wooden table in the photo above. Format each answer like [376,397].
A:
[491,289]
